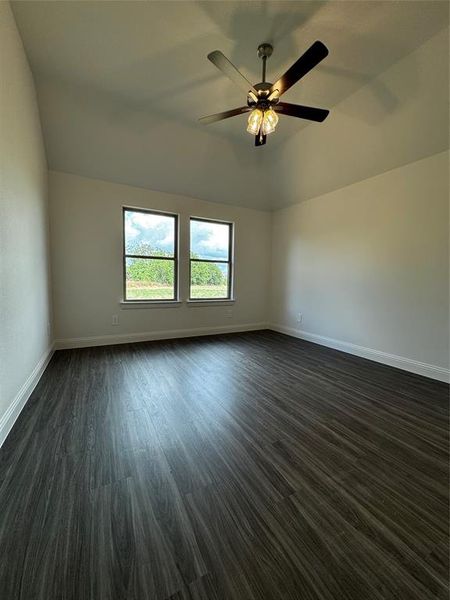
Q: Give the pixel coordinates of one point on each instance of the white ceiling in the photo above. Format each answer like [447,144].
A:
[122,84]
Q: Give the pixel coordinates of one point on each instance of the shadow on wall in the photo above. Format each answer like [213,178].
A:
[384,100]
[375,99]
[252,23]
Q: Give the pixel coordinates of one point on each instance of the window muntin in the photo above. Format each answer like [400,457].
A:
[150,255]
[210,273]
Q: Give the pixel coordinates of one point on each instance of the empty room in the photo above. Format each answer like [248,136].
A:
[224,300]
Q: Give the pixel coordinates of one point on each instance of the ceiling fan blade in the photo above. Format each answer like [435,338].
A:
[224,115]
[221,62]
[302,112]
[312,57]
[260,140]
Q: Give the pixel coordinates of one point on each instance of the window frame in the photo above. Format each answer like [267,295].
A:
[229,262]
[175,257]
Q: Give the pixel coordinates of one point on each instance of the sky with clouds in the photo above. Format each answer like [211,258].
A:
[208,240]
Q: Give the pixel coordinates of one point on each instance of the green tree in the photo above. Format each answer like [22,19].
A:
[150,270]
[204,273]
[160,272]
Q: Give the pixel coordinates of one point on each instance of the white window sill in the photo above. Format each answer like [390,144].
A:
[210,302]
[129,304]
[150,304]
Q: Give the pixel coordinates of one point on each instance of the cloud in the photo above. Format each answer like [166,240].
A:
[209,240]
[130,231]
[151,232]
[156,232]
[149,220]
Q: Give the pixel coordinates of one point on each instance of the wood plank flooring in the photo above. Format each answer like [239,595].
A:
[237,467]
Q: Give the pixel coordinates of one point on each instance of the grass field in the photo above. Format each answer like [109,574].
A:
[209,291]
[142,292]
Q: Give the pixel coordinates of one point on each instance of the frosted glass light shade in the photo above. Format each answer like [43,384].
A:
[270,121]
[254,121]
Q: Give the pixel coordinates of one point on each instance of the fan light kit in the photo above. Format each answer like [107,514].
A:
[263,99]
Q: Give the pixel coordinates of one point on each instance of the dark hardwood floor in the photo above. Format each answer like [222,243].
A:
[244,466]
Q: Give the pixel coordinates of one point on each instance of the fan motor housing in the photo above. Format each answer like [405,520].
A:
[263,89]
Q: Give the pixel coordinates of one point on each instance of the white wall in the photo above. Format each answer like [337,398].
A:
[368,265]
[86,217]
[24,272]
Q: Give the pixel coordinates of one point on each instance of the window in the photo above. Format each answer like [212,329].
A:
[150,255]
[211,267]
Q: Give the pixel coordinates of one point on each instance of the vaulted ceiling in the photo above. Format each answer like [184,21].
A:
[121,86]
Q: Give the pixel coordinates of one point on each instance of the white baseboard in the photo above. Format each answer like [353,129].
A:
[9,418]
[148,336]
[393,360]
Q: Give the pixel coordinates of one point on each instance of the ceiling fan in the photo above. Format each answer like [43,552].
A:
[263,99]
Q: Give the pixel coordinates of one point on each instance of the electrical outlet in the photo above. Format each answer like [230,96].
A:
[115,320]
[228,313]
[299,318]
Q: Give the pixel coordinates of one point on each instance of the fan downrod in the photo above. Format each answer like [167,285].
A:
[264,52]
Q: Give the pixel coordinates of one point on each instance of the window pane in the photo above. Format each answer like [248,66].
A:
[209,280]
[150,279]
[209,240]
[149,234]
